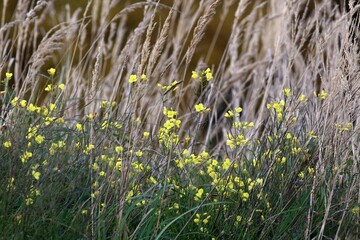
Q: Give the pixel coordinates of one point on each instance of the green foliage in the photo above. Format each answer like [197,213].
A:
[122,140]
[94,174]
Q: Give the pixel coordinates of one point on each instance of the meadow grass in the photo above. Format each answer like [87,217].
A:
[117,122]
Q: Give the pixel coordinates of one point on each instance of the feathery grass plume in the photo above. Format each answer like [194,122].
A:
[52,42]
[228,120]
[92,137]
[126,51]
[94,84]
[199,30]
[160,42]
[145,52]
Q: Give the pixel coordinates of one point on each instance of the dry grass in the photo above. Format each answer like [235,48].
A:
[254,48]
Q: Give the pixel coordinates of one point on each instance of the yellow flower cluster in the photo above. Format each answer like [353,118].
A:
[132,78]
[204,219]
[51,71]
[26,156]
[8,76]
[105,104]
[231,113]
[191,159]
[11,186]
[173,86]
[201,108]
[7,144]
[344,126]
[243,125]
[279,108]
[303,98]
[199,194]
[51,87]
[322,95]
[56,146]
[198,75]
[32,131]
[287,92]
[239,140]
[88,149]
[167,133]
[35,173]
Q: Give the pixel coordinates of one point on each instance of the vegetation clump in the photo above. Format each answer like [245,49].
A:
[124,137]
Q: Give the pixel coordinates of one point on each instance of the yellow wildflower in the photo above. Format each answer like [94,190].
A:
[26,156]
[36,174]
[226,164]
[8,75]
[48,88]
[199,194]
[31,108]
[169,113]
[303,98]
[60,120]
[61,144]
[208,74]
[197,218]
[259,181]
[194,75]
[201,108]
[52,107]
[355,210]
[79,127]
[287,92]
[206,220]
[132,78]
[61,86]
[245,196]
[153,180]
[118,149]
[118,164]
[89,148]
[322,95]
[104,104]
[229,114]
[10,186]
[39,139]
[91,116]
[14,101]
[29,201]
[7,144]
[49,120]
[51,71]
[23,103]
[312,135]
[238,109]
[95,166]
